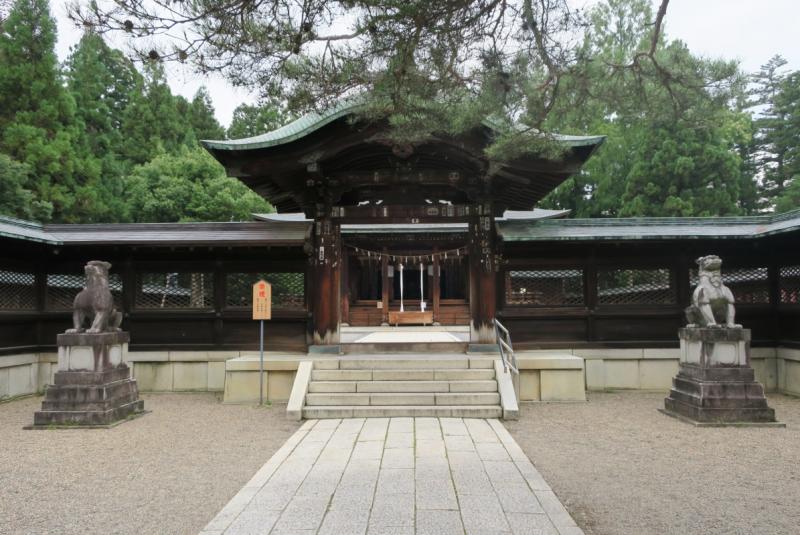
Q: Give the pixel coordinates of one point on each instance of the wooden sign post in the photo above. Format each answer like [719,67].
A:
[262,310]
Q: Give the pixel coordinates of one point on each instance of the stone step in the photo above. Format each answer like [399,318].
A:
[470,398]
[403,375]
[337,399]
[331,386]
[404,364]
[402,398]
[401,386]
[341,375]
[316,400]
[393,348]
[473,386]
[375,411]
[464,375]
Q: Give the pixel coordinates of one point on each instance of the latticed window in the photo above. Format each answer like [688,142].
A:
[545,287]
[63,287]
[174,290]
[790,285]
[17,291]
[634,287]
[288,289]
[749,285]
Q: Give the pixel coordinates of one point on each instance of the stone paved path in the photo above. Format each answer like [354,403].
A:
[436,476]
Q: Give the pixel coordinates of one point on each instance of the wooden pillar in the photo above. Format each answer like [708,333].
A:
[220,291]
[483,279]
[345,270]
[436,294]
[326,266]
[40,282]
[385,287]
[590,287]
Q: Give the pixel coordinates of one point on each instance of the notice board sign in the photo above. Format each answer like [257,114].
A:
[262,300]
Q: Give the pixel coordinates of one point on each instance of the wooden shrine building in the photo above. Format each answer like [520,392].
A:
[410,205]
[370,232]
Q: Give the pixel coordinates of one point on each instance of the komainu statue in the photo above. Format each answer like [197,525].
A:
[712,301]
[95,302]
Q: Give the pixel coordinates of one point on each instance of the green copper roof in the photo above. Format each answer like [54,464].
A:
[295,130]
[644,228]
[25,230]
[314,121]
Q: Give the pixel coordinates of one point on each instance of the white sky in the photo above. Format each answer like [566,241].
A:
[748,30]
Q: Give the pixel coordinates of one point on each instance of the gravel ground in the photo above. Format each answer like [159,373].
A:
[620,467]
[169,471]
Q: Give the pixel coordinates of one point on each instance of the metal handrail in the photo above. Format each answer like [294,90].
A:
[507,354]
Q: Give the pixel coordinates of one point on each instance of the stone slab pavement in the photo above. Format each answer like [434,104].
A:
[435,476]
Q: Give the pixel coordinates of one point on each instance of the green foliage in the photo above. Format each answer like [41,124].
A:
[249,120]
[99,141]
[15,199]
[102,81]
[683,170]
[189,186]
[774,153]
[675,147]
[201,117]
[38,118]
[790,198]
[152,123]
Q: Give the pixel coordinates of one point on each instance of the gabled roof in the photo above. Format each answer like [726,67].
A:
[643,228]
[333,158]
[314,121]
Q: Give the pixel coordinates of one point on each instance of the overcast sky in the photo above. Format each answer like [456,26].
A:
[748,30]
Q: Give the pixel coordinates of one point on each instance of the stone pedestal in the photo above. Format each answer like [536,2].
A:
[715,383]
[92,386]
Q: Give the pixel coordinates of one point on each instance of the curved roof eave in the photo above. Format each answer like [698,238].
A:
[312,122]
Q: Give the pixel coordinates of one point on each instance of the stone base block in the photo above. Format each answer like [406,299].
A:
[84,418]
[715,346]
[718,395]
[89,398]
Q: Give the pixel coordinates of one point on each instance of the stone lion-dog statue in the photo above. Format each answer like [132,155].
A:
[95,302]
[712,301]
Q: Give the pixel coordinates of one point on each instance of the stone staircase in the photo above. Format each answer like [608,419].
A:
[401,385]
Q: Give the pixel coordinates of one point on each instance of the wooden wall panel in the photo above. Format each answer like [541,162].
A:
[637,328]
[242,334]
[532,331]
[170,332]
[19,332]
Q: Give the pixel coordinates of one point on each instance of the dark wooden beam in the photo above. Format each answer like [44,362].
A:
[405,213]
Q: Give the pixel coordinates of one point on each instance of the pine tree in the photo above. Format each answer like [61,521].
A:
[201,117]
[769,146]
[101,80]
[153,122]
[15,199]
[37,115]
[674,150]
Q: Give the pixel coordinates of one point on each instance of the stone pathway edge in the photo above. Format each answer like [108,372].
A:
[554,510]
